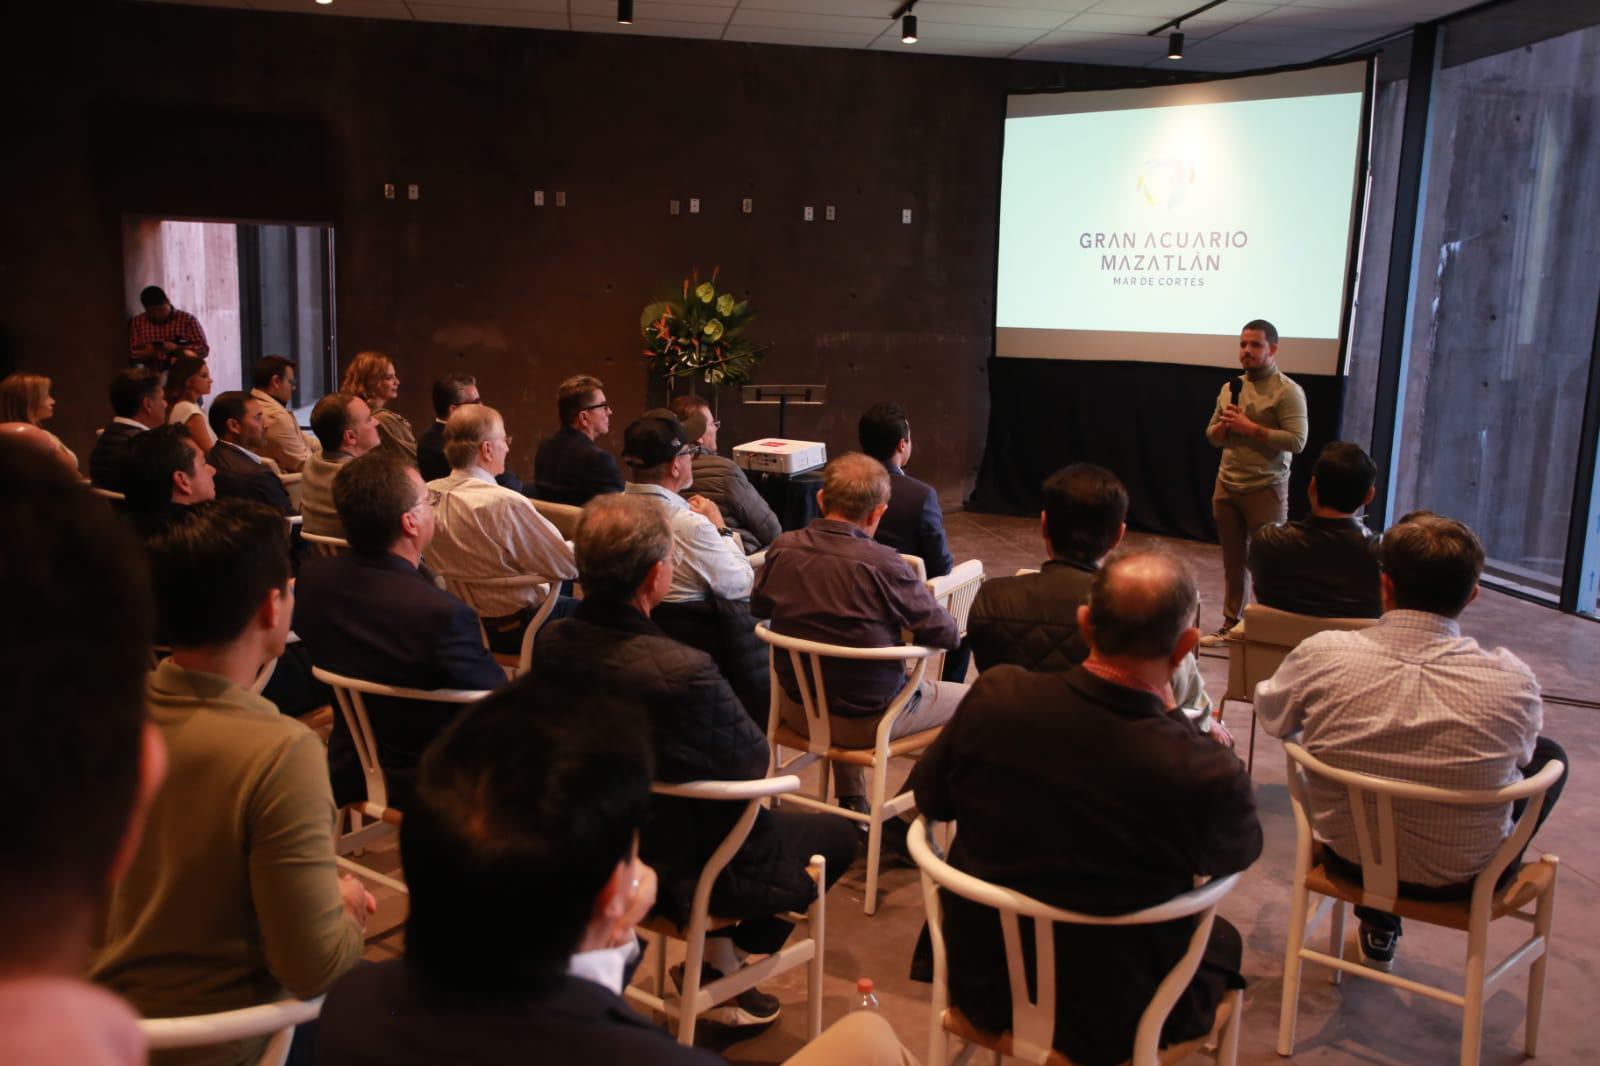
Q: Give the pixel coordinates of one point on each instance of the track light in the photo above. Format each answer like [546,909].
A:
[625,12]
[1175,46]
[908,28]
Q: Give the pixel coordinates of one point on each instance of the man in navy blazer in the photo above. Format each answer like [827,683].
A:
[376,614]
[569,467]
[913,524]
[138,404]
[236,420]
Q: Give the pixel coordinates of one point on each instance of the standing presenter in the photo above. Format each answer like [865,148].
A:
[1259,422]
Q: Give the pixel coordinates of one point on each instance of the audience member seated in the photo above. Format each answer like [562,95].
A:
[241,472]
[161,334]
[722,481]
[137,404]
[1411,699]
[26,398]
[913,524]
[188,384]
[372,377]
[345,428]
[484,530]
[376,615]
[165,474]
[699,731]
[282,440]
[1325,564]
[569,467]
[234,897]
[524,835]
[1037,768]
[832,582]
[1031,620]
[79,763]
[450,392]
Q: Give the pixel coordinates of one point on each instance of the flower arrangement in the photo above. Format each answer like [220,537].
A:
[702,333]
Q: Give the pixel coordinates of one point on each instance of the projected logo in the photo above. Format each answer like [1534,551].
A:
[1164,182]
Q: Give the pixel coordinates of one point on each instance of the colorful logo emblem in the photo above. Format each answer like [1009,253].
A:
[1163,182]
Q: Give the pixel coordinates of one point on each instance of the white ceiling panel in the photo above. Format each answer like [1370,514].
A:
[526,20]
[974,15]
[607,9]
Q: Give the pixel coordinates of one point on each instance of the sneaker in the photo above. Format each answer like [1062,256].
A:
[1377,947]
[750,1007]
[1222,635]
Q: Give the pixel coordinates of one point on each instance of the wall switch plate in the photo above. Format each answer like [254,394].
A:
[673,207]
[561,199]
[905,217]
[694,205]
[388,190]
[748,205]
[827,212]
[413,192]
[810,214]
[538,198]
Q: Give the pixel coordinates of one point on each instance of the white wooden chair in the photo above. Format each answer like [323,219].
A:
[325,545]
[291,485]
[1033,1018]
[373,818]
[563,516]
[806,657]
[956,592]
[918,567]
[203,1030]
[1372,801]
[470,591]
[696,998]
[1269,636]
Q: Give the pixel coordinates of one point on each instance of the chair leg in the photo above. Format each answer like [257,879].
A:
[817,930]
[660,945]
[1228,1046]
[878,785]
[1472,1009]
[1542,919]
[1336,939]
[1299,901]
[687,1015]
[1250,758]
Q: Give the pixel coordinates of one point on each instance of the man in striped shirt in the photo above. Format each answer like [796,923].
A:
[1411,699]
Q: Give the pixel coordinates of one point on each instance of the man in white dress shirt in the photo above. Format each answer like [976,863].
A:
[711,560]
[484,530]
[1411,699]
[282,439]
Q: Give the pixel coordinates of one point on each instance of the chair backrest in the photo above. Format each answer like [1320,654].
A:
[1372,807]
[563,516]
[918,567]
[202,1030]
[1269,636]
[350,693]
[469,590]
[324,545]
[107,493]
[1025,571]
[751,794]
[1033,1018]
[806,658]
[291,485]
[957,590]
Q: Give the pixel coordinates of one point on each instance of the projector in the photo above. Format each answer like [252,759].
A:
[774,455]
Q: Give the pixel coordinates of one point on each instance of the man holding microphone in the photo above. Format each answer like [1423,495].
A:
[1259,422]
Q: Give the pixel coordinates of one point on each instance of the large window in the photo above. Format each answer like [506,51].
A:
[1504,308]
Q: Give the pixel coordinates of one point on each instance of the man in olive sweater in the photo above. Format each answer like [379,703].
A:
[1259,422]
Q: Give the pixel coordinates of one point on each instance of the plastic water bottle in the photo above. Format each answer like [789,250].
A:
[864,1000]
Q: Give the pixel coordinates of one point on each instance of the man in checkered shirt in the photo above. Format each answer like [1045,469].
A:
[1411,699]
[163,333]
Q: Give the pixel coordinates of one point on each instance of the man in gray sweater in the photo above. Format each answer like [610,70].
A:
[1259,422]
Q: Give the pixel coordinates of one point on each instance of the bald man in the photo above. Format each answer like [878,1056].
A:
[39,442]
[1039,765]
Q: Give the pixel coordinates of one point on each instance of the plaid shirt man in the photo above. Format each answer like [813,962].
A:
[180,327]
[1410,699]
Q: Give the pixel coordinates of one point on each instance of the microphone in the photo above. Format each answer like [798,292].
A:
[1233,391]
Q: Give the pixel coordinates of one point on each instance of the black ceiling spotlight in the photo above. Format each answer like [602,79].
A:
[1175,41]
[1175,46]
[625,12]
[908,28]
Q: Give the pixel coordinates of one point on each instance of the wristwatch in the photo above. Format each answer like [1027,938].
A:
[727,531]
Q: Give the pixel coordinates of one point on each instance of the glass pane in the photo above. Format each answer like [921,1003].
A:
[1505,304]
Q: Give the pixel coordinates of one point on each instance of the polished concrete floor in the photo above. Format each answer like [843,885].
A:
[1355,1022]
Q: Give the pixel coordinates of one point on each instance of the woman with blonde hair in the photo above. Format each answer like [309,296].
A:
[188,383]
[371,376]
[26,398]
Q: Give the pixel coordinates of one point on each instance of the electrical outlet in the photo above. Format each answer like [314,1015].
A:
[673,207]
[905,217]
[388,191]
[413,192]
[538,198]
[694,205]
[748,204]
[810,214]
[827,212]
[561,199]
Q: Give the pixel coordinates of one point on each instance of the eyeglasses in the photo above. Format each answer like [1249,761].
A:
[597,406]
[716,423]
[431,497]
